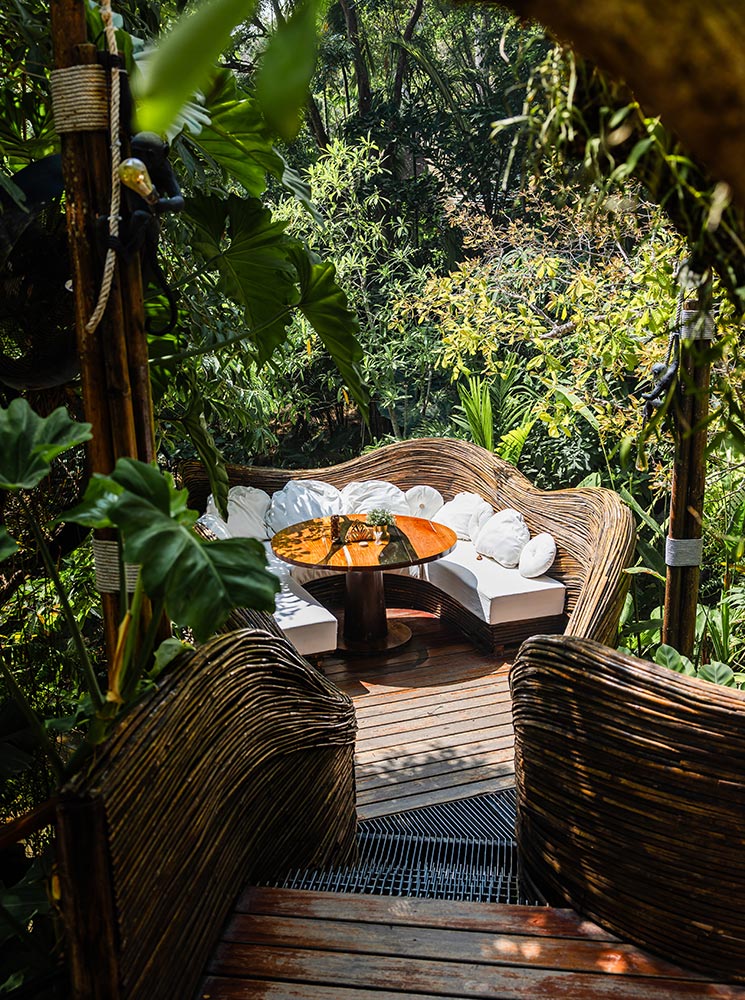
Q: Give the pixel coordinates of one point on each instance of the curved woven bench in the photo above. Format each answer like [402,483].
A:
[239,766]
[594,530]
[631,798]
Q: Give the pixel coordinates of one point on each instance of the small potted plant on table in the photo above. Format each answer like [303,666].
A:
[380,520]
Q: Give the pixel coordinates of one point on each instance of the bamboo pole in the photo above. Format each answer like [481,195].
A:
[688,487]
[113,358]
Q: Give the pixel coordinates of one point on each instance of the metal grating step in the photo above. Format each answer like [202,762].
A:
[457,850]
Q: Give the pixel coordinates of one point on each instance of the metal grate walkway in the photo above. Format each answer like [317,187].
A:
[461,850]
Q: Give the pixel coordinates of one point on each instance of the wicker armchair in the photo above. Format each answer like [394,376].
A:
[238,766]
[631,798]
[594,530]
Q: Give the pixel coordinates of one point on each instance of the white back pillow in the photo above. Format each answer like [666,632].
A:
[466,513]
[247,509]
[538,555]
[301,500]
[361,498]
[503,537]
[424,501]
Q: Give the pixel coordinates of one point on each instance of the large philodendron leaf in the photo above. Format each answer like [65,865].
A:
[237,137]
[286,68]
[238,140]
[200,582]
[29,443]
[184,59]
[325,306]
[252,256]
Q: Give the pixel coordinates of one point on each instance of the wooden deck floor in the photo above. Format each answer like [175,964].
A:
[434,726]
[291,945]
[434,721]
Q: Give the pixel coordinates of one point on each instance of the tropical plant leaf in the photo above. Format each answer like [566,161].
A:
[644,571]
[93,510]
[7,545]
[167,652]
[238,140]
[642,514]
[29,443]
[668,657]
[237,137]
[183,61]
[200,582]
[718,673]
[512,443]
[261,268]
[325,306]
[251,254]
[286,69]
[475,401]
[209,454]
[651,557]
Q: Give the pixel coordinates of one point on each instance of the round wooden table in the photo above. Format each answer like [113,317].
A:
[412,541]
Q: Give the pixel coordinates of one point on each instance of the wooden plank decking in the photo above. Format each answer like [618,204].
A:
[434,721]
[434,726]
[291,945]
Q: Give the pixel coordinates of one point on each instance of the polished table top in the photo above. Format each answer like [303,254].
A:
[411,541]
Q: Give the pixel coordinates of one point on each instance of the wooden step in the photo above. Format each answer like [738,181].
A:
[287,944]
[434,718]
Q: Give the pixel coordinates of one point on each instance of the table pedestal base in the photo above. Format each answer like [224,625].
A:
[366,627]
[397,635]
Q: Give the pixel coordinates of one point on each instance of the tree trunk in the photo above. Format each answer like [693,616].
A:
[682,58]
[364,93]
[317,127]
[398,82]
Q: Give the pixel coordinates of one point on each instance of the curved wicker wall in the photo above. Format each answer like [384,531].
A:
[239,767]
[593,529]
[631,798]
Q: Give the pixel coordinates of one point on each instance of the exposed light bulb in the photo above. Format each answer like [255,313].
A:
[133,173]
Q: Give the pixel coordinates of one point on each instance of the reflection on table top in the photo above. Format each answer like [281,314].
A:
[410,541]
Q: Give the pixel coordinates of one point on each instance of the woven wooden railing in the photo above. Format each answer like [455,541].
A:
[239,766]
[631,798]
[594,530]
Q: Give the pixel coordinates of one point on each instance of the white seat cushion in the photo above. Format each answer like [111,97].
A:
[309,626]
[492,592]
[361,498]
[215,524]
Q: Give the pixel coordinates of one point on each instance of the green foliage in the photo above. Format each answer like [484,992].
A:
[286,69]
[381,517]
[7,545]
[198,582]
[576,120]
[715,672]
[210,456]
[475,403]
[236,138]
[270,275]
[29,443]
[239,239]
[183,61]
